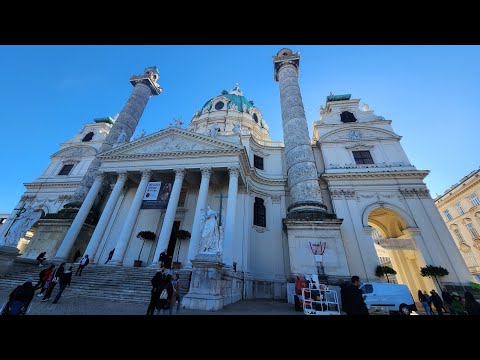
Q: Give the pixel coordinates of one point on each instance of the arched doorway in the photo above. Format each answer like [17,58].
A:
[396,248]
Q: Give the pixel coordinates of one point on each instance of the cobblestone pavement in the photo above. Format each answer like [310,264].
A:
[93,306]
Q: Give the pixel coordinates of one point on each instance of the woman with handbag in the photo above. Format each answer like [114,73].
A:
[165,297]
[52,281]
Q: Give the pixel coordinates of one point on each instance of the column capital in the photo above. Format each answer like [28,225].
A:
[234,171]
[285,57]
[100,175]
[122,175]
[146,174]
[206,171]
[179,173]
[149,79]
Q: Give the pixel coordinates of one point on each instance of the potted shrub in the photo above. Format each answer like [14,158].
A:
[181,235]
[434,271]
[144,235]
[384,271]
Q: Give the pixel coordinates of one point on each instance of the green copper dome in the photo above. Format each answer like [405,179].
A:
[234,101]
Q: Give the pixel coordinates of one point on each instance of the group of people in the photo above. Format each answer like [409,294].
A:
[21,297]
[456,305]
[165,293]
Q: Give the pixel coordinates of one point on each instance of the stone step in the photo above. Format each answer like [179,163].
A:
[106,282]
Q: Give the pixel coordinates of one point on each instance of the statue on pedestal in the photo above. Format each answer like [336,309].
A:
[210,241]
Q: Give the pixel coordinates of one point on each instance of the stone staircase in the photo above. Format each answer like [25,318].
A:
[126,284]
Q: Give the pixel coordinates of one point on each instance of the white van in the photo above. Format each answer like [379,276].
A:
[394,297]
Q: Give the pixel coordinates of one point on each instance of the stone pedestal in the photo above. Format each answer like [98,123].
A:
[302,261]
[206,284]
[8,254]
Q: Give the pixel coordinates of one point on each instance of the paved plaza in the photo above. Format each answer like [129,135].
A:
[79,305]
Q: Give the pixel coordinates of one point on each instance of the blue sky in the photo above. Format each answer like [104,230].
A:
[48,92]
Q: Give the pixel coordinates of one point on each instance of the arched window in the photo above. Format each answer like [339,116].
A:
[259,213]
[88,137]
[255,117]
[347,117]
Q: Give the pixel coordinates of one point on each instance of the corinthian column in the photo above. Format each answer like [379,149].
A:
[305,196]
[77,223]
[130,221]
[197,221]
[169,215]
[106,214]
[144,86]
[230,221]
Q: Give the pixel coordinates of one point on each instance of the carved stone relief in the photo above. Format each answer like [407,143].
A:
[171,144]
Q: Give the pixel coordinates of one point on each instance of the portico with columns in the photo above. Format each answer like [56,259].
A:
[122,217]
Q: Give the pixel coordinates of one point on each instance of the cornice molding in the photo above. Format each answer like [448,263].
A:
[50,185]
[446,198]
[376,175]
[357,126]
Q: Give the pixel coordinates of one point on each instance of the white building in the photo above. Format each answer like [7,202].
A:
[278,203]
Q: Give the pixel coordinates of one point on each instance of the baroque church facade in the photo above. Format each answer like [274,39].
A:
[308,204]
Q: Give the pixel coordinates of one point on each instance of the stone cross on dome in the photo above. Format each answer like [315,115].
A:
[236,90]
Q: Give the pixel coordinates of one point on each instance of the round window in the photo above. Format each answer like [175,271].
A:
[219,105]
[255,117]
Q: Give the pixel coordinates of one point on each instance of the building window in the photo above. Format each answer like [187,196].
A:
[471,261]
[362,157]
[259,217]
[258,162]
[448,215]
[66,169]
[460,209]
[347,117]
[474,199]
[88,137]
[473,231]
[255,117]
[459,235]
[219,105]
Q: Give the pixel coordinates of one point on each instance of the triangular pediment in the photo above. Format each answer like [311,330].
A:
[173,141]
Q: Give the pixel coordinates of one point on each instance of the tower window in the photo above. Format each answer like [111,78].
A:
[88,137]
[255,117]
[347,117]
[219,105]
[259,213]
[258,162]
[362,157]
[66,169]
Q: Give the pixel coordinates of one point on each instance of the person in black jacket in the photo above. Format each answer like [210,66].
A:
[157,285]
[20,298]
[163,258]
[472,307]
[65,281]
[164,304]
[352,298]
